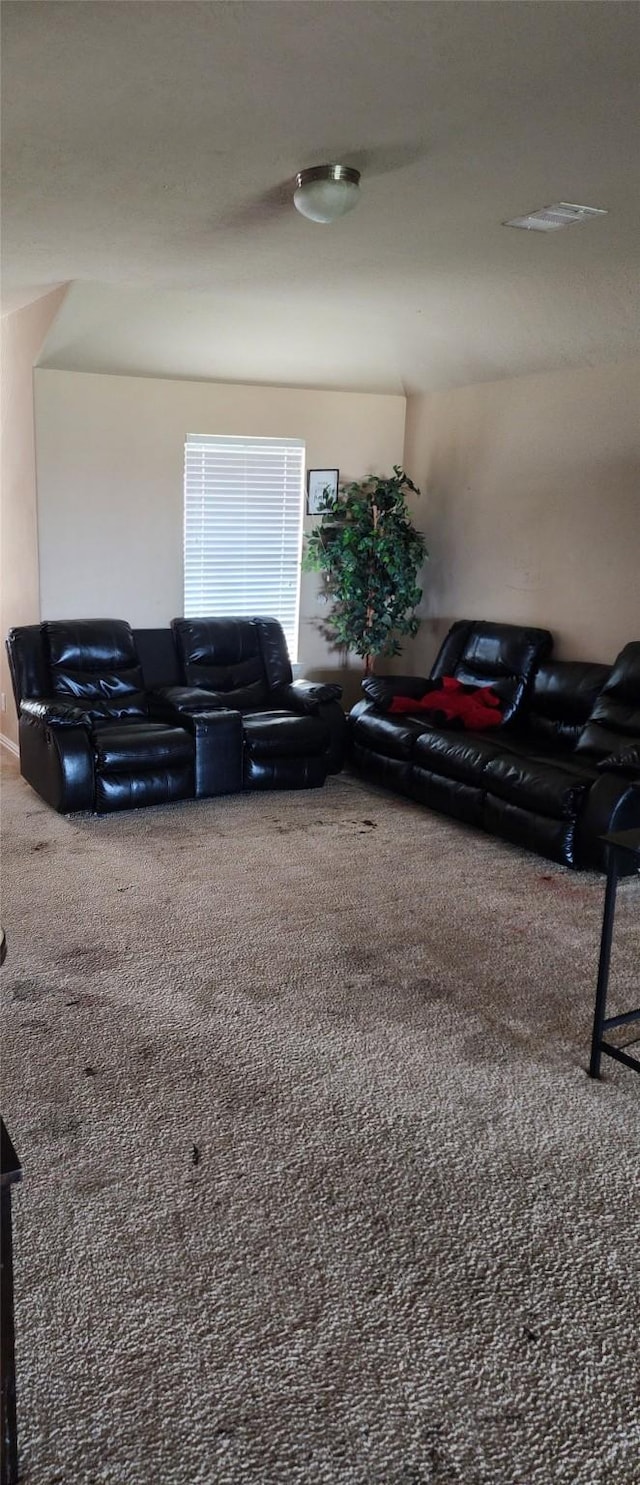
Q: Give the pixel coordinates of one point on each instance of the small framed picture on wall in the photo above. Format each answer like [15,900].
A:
[320,484]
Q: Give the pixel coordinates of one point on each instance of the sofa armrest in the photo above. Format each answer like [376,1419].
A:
[176,703]
[322,700]
[57,761]
[626,762]
[306,696]
[381,689]
[53,712]
[613,803]
[218,751]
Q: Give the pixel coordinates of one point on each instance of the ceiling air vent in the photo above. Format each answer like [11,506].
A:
[552,218]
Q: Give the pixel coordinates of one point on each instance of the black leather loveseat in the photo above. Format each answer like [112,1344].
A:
[561,769]
[111,718]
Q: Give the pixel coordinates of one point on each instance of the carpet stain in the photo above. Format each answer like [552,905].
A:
[60,1125]
[88,958]
[93,1185]
[28,991]
[145,1053]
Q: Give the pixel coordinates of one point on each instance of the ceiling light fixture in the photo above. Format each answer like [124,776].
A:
[326,192]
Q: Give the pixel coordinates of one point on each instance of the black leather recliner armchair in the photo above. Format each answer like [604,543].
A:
[87,741]
[104,723]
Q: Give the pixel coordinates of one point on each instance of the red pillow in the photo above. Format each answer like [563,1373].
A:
[454,705]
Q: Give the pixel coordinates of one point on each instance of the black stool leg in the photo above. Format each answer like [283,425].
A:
[603,967]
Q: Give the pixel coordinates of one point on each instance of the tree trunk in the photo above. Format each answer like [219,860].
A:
[369,660]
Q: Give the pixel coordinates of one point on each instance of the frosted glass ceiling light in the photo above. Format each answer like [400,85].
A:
[326,192]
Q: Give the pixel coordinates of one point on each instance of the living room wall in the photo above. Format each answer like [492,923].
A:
[531,503]
[533,508]
[110,480]
[23,334]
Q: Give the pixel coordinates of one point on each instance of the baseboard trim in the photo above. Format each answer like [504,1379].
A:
[9,745]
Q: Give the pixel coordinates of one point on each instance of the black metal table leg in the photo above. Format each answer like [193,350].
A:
[9,1445]
[11,1172]
[604,963]
[623,859]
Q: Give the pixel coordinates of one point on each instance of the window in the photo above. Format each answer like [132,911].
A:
[243,503]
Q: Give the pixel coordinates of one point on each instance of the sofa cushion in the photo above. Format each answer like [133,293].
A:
[140,747]
[458,756]
[562,696]
[393,737]
[270,735]
[614,722]
[95,663]
[186,700]
[502,656]
[546,788]
[199,698]
[225,656]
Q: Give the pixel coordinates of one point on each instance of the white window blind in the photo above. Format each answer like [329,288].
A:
[243,528]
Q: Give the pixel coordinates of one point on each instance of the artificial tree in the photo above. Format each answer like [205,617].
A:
[370,554]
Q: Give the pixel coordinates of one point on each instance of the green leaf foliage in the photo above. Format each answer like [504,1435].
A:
[370,555]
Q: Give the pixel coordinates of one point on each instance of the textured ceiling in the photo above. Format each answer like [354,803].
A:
[146,147]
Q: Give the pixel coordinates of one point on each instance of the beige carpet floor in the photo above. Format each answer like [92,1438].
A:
[316,1187]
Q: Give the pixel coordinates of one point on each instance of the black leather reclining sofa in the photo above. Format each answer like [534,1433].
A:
[111,718]
[563,767]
